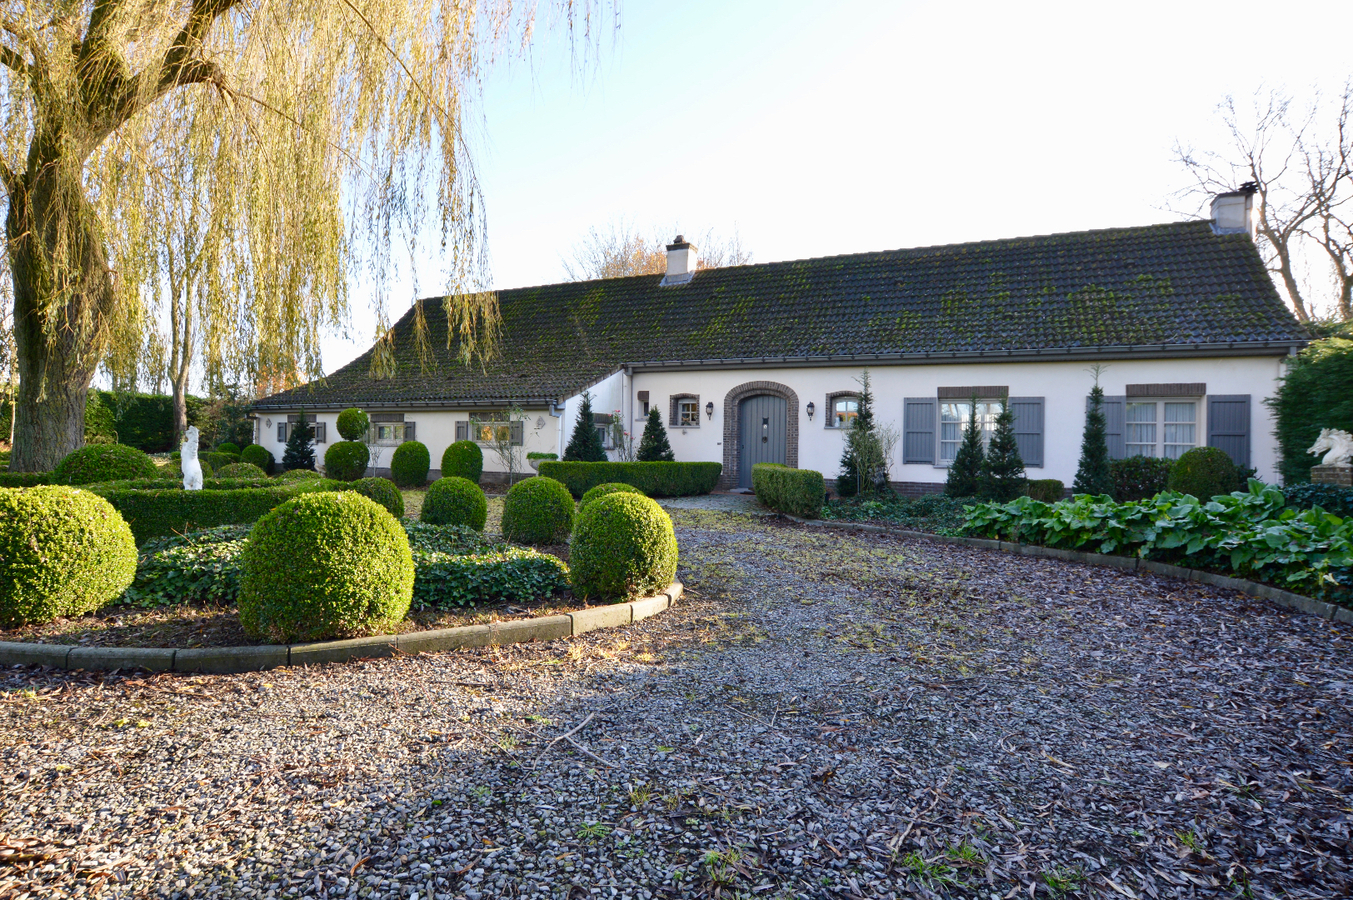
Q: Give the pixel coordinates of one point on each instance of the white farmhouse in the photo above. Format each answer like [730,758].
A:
[760,362]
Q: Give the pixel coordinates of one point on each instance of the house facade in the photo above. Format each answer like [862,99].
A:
[762,362]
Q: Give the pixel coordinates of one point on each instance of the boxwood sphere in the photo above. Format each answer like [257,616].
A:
[463,459]
[353,424]
[624,547]
[228,447]
[104,462]
[410,463]
[346,460]
[383,491]
[63,552]
[241,470]
[329,565]
[1204,472]
[601,490]
[538,511]
[258,455]
[455,501]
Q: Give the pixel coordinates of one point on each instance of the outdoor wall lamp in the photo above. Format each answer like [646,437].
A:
[811,409]
[709,409]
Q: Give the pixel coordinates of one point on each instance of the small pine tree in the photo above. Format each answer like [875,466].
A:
[1002,469]
[864,470]
[300,452]
[654,446]
[1093,475]
[585,444]
[965,472]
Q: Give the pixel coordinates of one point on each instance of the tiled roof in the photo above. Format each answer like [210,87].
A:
[1174,285]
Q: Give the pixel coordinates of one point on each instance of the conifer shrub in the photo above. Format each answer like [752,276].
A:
[602,490]
[653,445]
[240,470]
[1316,391]
[104,462]
[585,444]
[1048,490]
[538,511]
[1002,476]
[1139,477]
[1204,472]
[463,459]
[965,472]
[63,552]
[455,501]
[353,424]
[322,566]
[1092,473]
[228,447]
[383,491]
[300,449]
[258,455]
[864,461]
[410,463]
[624,547]
[346,460]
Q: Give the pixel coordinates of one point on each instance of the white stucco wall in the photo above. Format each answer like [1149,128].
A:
[1063,385]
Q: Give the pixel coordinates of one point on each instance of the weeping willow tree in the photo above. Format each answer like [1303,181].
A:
[236,161]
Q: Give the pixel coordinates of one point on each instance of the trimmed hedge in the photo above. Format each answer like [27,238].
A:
[159,512]
[383,491]
[293,475]
[455,501]
[228,447]
[602,490]
[240,470]
[655,479]
[321,566]
[1138,477]
[1316,392]
[353,424]
[410,463]
[538,511]
[463,459]
[174,471]
[346,460]
[1204,472]
[63,552]
[218,459]
[258,455]
[798,492]
[1049,490]
[624,547]
[24,479]
[104,462]
[1330,497]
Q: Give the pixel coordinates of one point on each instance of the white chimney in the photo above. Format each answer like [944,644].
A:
[681,261]
[1233,212]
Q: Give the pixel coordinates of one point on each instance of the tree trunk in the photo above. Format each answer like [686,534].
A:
[63,296]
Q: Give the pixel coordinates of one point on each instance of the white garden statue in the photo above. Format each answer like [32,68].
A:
[192,469]
[1339,445]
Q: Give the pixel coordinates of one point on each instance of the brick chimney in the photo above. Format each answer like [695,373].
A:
[681,260]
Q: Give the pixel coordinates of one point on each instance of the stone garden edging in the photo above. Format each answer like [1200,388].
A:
[1288,599]
[232,660]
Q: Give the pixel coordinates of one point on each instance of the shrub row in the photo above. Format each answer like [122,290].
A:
[1253,534]
[797,492]
[153,513]
[655,479]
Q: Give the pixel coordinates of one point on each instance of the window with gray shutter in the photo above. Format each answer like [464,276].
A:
[321,432]
[282,432]
[1115,414]
[409,431]
[918,430]
[462,431]
[1228,426]
[1028,413]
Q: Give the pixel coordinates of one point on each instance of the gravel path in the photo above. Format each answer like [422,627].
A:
[830,715]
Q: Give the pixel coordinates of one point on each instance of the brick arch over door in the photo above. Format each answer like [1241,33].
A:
[731,425]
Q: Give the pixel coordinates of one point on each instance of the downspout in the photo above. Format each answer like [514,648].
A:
[557,412]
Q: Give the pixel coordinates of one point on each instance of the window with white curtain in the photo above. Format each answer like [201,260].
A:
[1161,428]
[954,417]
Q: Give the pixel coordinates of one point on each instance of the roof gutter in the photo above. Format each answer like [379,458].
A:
[1067,354]
[442,405]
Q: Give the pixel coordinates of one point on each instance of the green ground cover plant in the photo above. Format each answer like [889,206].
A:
[1329,497]
[509,574]
[1252,534]
[934,513]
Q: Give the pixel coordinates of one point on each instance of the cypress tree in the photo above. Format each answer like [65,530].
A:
[1002,470]
[863,469]
[1093,475]
[300,452]
[965,472]
[653,446]
[585,444]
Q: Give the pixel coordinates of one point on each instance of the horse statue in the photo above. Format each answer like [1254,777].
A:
[1336,445]
[192,469]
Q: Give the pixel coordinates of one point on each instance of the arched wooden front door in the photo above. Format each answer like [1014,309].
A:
[763,429]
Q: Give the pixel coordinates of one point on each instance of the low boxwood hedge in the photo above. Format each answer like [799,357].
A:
[654,479]
[240,470]
[624,547]
[103,462]
[463,459]
[538,511]
[63,552]
[153,512]
[293,475]
[798,492]
[1049,490]
[24,479]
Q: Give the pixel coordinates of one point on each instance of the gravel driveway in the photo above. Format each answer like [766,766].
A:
[829,715]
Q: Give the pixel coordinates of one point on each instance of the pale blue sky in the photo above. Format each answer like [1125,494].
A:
[815,129]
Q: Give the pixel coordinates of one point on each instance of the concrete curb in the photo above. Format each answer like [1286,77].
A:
[232,660]
[1129,563]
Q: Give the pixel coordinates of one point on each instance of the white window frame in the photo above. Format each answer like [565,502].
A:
[685,411]
[1151,436]
[393,437]
[987,410]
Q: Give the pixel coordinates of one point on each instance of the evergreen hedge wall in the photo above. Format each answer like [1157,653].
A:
[655,479]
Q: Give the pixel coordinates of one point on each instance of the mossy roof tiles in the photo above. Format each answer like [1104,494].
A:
[1176,284]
